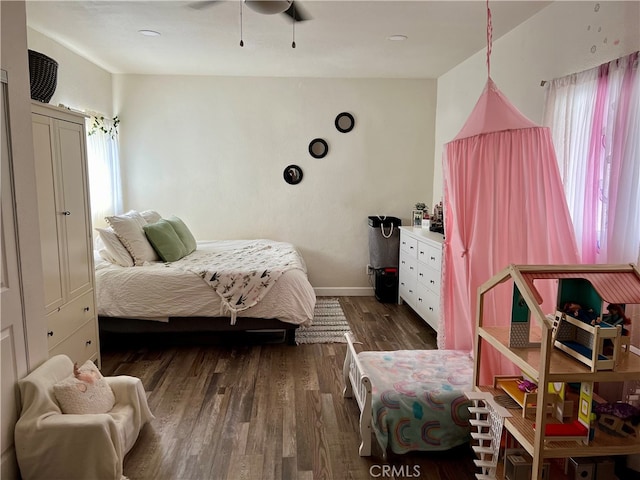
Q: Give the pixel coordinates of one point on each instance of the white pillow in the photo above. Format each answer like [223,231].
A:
[128,227]
[85,393]
[151,216]
[114,251]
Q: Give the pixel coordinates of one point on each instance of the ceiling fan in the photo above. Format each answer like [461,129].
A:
[266,7]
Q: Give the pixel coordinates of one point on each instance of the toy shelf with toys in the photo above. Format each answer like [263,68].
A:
[564,420]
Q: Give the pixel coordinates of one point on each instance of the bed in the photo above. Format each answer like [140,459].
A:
[175,296]
[410,400]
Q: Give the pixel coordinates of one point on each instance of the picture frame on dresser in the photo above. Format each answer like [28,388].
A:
[416,218]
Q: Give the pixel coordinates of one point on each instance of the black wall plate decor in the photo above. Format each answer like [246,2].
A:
[318,148]
[345,122]
[292,174]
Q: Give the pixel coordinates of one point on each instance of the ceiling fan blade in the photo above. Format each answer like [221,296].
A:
[297,13]
[203,4]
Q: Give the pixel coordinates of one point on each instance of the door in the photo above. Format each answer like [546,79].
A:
[12,340]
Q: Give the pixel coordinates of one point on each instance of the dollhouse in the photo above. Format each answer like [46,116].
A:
[557,349]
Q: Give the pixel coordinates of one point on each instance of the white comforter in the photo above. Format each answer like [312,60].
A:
[157,291]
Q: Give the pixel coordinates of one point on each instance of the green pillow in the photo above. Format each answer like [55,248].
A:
[184,233]
[165,240]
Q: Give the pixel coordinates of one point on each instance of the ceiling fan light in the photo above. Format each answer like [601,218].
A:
[268,7]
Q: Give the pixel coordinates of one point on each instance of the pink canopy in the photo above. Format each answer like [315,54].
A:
[504,203]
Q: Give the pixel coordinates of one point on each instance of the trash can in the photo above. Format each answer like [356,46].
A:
[384,242]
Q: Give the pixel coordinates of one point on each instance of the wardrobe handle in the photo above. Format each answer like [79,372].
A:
[86,309]
[66,212]
[50,333]
[88,342]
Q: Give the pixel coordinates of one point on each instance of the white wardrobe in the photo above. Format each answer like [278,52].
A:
[65,231]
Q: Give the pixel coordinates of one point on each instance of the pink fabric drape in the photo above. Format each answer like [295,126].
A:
[504,203]
[595,160]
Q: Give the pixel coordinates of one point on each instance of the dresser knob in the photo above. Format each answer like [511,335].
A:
[88,342]
[433,258]
[432,281]
[86,309]
[421,274]
[50,333]
[66,213]
[431,309]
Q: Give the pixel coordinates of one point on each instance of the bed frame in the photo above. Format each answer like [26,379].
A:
[358,384]
[118,325]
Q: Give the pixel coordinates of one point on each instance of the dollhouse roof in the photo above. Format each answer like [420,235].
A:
[613,287]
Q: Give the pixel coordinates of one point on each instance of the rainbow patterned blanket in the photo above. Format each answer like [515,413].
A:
[418,398]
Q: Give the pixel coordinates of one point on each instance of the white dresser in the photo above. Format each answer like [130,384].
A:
[421,272]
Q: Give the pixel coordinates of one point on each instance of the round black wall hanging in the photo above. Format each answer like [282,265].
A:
[292,174]
[345,122]
[318,148]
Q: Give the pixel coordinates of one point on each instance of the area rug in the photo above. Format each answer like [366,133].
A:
[329,323]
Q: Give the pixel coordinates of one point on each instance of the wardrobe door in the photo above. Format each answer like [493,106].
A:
[49,212]
[75,215]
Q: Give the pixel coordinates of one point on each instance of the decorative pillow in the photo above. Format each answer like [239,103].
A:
[128,227]
[151,216]
[184,233]
[86,391]
[165,240]
[115,250]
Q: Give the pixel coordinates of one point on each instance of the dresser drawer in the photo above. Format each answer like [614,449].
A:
[409,245]
[68,318]
[430,255]
[407,278]
[429,277]
[428,307]
[81,346]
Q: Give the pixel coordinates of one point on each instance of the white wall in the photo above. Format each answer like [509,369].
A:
[81,85]
[556,42]
[212,151]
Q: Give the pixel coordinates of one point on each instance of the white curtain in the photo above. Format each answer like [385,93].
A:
[104,169]
[595,122]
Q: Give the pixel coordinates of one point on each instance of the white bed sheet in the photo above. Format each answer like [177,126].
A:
[157,291]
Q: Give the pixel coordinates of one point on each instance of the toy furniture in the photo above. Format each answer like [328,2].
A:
[50,444]
[585,342]
[530,347]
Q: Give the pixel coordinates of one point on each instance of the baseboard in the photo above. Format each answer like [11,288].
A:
[344,291]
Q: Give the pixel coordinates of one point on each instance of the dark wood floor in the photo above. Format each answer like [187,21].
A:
[237,407]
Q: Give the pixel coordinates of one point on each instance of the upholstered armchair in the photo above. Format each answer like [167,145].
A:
[51,444]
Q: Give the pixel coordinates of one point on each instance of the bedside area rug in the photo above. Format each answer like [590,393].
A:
[329,324]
